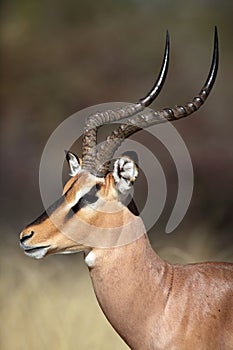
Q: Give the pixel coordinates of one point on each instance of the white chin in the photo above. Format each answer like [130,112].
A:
[37,253]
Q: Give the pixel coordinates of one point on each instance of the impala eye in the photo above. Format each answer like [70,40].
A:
[91,196]
[88,198]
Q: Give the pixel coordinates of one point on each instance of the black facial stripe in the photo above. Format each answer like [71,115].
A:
[75,209]
[48,212]
[88,198]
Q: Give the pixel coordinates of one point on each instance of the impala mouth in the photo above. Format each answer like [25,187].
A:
[36,252]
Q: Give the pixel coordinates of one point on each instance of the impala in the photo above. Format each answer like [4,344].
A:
[151,303]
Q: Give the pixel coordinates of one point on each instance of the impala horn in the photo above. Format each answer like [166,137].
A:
[97,162]
[89,150]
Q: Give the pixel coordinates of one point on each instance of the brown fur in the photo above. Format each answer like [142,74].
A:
[151,304]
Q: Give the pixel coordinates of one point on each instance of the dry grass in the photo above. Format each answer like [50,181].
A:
[50,304]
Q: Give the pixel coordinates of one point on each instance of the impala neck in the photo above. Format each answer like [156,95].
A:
[131,284]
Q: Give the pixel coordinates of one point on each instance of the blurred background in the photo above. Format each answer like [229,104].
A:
[58,57]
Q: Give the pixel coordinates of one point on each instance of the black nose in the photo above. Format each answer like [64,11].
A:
[26,237]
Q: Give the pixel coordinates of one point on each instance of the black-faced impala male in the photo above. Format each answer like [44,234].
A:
[151,303]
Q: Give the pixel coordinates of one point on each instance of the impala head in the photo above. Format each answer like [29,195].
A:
[93,199]
[88,205]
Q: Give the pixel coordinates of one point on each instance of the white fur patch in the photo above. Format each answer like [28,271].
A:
[74,163]
[90,259]
[37,254]
[85,186]
[125,173]
[78,196]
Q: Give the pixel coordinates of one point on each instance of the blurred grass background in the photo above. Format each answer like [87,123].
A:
[59,57]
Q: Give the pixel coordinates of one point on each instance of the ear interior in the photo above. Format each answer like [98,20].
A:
[73,162]
[125,172]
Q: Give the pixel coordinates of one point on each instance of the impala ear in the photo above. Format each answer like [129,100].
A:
[74,163]
[125,172]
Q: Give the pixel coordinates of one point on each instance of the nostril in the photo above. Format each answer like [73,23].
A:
[26,236]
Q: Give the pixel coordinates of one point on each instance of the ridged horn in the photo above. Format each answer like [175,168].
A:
[89,150]
[150,117]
